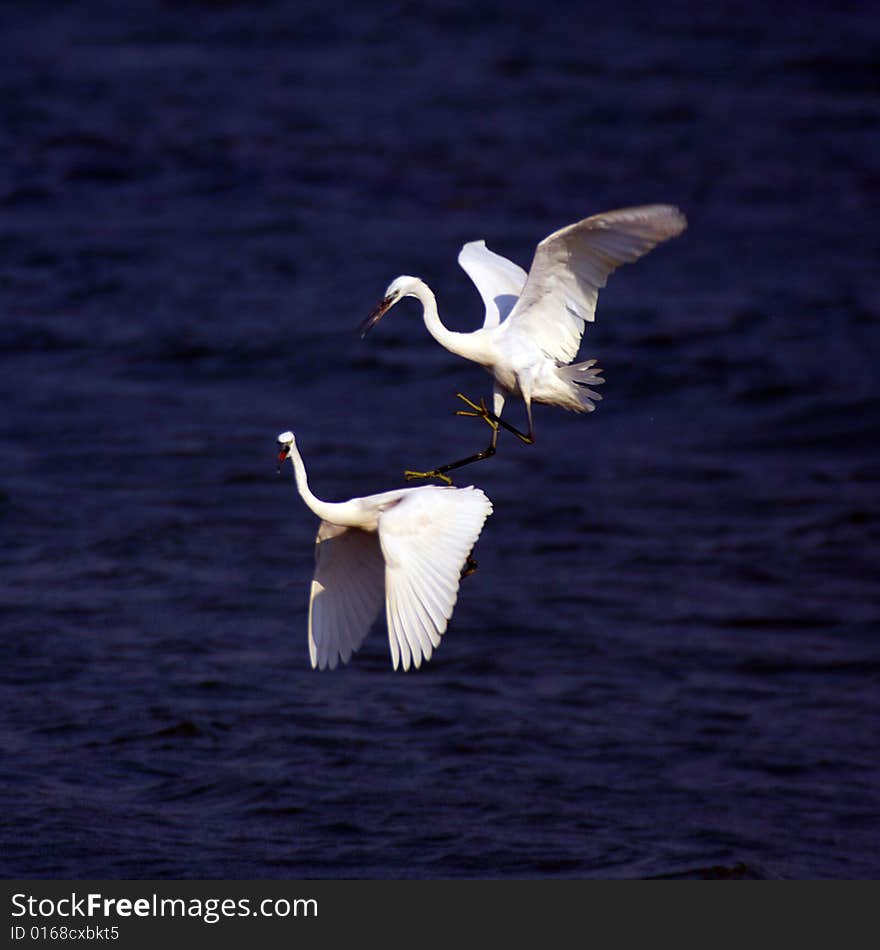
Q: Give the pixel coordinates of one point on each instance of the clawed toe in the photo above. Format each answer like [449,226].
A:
[413,476]
[477,411]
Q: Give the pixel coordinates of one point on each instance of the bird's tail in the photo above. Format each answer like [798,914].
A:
[584,375]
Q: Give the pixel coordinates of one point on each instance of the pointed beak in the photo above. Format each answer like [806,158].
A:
[376,315]
[283,452]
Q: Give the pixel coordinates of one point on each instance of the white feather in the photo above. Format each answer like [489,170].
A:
[425,540]
[498,280]
[571,265]
[407,546]
[346,593]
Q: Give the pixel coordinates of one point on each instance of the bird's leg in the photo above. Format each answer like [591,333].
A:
[443,469]
[440,472]
[480,411]
[483,412]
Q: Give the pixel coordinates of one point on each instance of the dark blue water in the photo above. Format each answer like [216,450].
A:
[668,662]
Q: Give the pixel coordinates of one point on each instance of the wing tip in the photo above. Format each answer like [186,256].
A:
[672,218]
[678,219]
[469,246]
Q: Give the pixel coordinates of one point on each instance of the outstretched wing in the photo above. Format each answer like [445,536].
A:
[426,538]
[572,264]
[498,280]
[346,593]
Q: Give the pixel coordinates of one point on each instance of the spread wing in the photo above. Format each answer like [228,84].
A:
[426,539]
[572,264]
[498,280]
[346,593]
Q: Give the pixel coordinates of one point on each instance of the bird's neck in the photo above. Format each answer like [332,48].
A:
[344,513]
[322,509]
[452,341]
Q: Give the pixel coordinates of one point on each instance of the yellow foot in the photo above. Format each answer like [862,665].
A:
[412,476]
[480,411]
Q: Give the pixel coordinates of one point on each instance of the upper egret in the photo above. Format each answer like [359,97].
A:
[534,322]
[413,544]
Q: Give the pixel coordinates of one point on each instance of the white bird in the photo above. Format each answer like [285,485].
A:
[412,545]
[534,322]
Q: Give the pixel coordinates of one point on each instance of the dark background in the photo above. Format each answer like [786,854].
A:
[667,663]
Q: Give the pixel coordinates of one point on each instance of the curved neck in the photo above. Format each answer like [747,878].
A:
[322,509]
[452,341]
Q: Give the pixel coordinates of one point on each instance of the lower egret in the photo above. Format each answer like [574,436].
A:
[534,322]
[411,545]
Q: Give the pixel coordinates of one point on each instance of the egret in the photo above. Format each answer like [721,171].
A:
[534,322]
[412,545]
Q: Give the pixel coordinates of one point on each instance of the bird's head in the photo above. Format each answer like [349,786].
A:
[399,288]
[286,442]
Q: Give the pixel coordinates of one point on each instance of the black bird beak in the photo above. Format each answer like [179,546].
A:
[283,452]
[376,315]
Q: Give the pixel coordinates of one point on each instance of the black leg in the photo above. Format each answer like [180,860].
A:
[480,411]
[440,472]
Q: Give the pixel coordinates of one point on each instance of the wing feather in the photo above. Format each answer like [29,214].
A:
[425,539]
[391,621]
[396,636]
[424,621]
[415,625]
[346,593]
[498,280]
[571,265]
[433,598]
